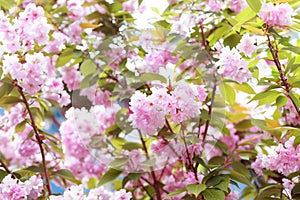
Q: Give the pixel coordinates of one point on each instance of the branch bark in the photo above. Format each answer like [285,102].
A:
[155,180]
[37,136]
[283,78]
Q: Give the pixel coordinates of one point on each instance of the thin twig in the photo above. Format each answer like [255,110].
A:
[169,126]
[37,136]
[156,182]
[209,111]
[282,75]
[6,168]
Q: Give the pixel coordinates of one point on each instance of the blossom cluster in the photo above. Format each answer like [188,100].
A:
[76,192]
[283,158]
[232,65]
[12,188]
[149,112]
[80,128]
[276,14]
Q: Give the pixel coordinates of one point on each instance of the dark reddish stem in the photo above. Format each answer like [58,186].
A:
[209,111]
[155,180]
[283,78]
[37,136]
[6,168]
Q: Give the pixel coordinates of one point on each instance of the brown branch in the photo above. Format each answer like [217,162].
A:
[37,136]
[283,78]
[189,165]
[209,111]
[169,126]
[6,168]
[155,180]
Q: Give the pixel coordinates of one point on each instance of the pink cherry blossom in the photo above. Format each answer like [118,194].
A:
[276,14]
[215,5]
[237,5]
[232,65]
[283,159]
[247,45]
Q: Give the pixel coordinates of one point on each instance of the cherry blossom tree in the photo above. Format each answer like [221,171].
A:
[186,99]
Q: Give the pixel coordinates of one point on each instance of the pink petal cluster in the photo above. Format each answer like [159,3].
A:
[237,5]
[159,58]
[290,115]
[96,95]
[18,148]
[115,55]
[30,72]
[76,192]
[276,14]
[247,45]
[215,5]
[167,152]
[14,189]
[71,76]
[149,112]
[284,159]
[77,133]
[232,65]
[20,33]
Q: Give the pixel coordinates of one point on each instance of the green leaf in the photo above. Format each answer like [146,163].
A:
[152,77]
[65,57]
[294,98]
[89,80]
[66,174]
[245,15]
[2,174]
[110,175]
[269,191]
[295,27]
[132,145]
[238,177]
[232,40]
[10,100]
[131,176]
[227,92]
[223,185]
[216,161]
[113,130]
[245,87]
[266,97]
[239,167]
[122,120]
[259,123]
[62,9]
[7,4]
[87,67]
[118,142]
[20,127]
[92,182]
[296,191]
[118,162]
[196,189]
[281,101]
[255,5]
[243,125]
[37,169]
[5,89]
[213,194]
[175,193]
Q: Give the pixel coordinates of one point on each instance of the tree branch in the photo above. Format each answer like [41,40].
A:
[37,136]
[156,182]
[2,164]
[209,111]
[283,78]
